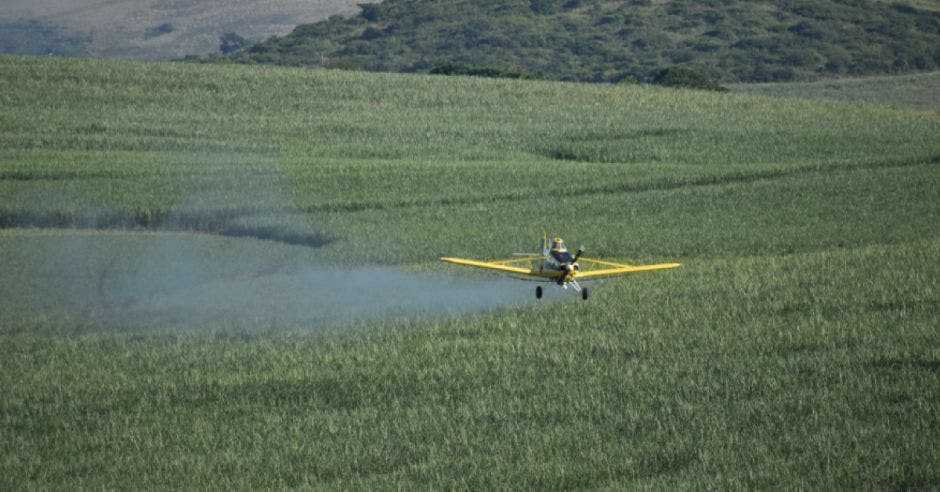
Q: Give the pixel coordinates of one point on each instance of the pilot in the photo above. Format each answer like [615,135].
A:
[559,252]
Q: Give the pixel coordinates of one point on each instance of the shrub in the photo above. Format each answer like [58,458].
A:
[371,33]
[685,77]
[160,30]
[231,42]
[371,11]
[451,68]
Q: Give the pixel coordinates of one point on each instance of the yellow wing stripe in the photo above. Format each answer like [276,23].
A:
[588,261]
[525,259]
[622,270]
[490,265]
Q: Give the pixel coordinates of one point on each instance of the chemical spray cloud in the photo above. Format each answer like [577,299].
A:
[138,280]
[181,273]
[302,296]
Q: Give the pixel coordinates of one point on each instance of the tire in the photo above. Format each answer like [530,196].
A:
[584,293]
[538,292]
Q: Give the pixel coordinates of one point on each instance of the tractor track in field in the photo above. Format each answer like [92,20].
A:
[703,181]
[216,222]
[224,222]
[41,175]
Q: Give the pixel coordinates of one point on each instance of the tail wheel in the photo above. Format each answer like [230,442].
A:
[538,292]
[584,293]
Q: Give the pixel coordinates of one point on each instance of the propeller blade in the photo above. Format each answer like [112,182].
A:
[578,255]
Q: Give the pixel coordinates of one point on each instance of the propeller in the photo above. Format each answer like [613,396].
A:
[571,267]
[578,255]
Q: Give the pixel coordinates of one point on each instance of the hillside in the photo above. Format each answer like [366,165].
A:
[149,29]
[601,40]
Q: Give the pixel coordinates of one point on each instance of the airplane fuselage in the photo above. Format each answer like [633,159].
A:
[562,257]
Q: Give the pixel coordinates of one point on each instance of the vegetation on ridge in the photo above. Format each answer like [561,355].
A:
[602,40]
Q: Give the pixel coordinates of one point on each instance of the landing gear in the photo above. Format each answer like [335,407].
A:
[575,285]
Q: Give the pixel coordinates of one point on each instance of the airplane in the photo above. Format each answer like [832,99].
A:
[556,264]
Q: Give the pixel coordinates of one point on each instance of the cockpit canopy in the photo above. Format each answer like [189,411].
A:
[559,252]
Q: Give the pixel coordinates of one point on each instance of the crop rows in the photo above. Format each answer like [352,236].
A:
[104,144]
[318,342]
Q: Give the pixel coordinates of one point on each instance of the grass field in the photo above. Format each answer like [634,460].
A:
[227,276]
[918,91]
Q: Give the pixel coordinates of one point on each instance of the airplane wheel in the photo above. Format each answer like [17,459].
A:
[584,293]
[538,292]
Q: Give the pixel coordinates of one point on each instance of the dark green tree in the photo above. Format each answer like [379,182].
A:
[231,42]
[685,77]
[371,11]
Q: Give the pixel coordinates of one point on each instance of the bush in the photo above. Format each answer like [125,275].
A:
[160,30]
[685,77]
[231,43]
[371,33]
[451,68]
[371,11]
[546,7]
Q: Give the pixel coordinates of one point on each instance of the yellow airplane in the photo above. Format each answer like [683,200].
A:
[557,265]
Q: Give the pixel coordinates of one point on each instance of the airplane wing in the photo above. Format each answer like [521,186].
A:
[592,269]
[519,266]
[611,269]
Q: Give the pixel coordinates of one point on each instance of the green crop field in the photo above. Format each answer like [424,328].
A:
[917,91]
[228,277]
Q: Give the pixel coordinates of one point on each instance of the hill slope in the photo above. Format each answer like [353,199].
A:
[150,29]
[601,40]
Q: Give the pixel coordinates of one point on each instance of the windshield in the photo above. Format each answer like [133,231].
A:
[562,256]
